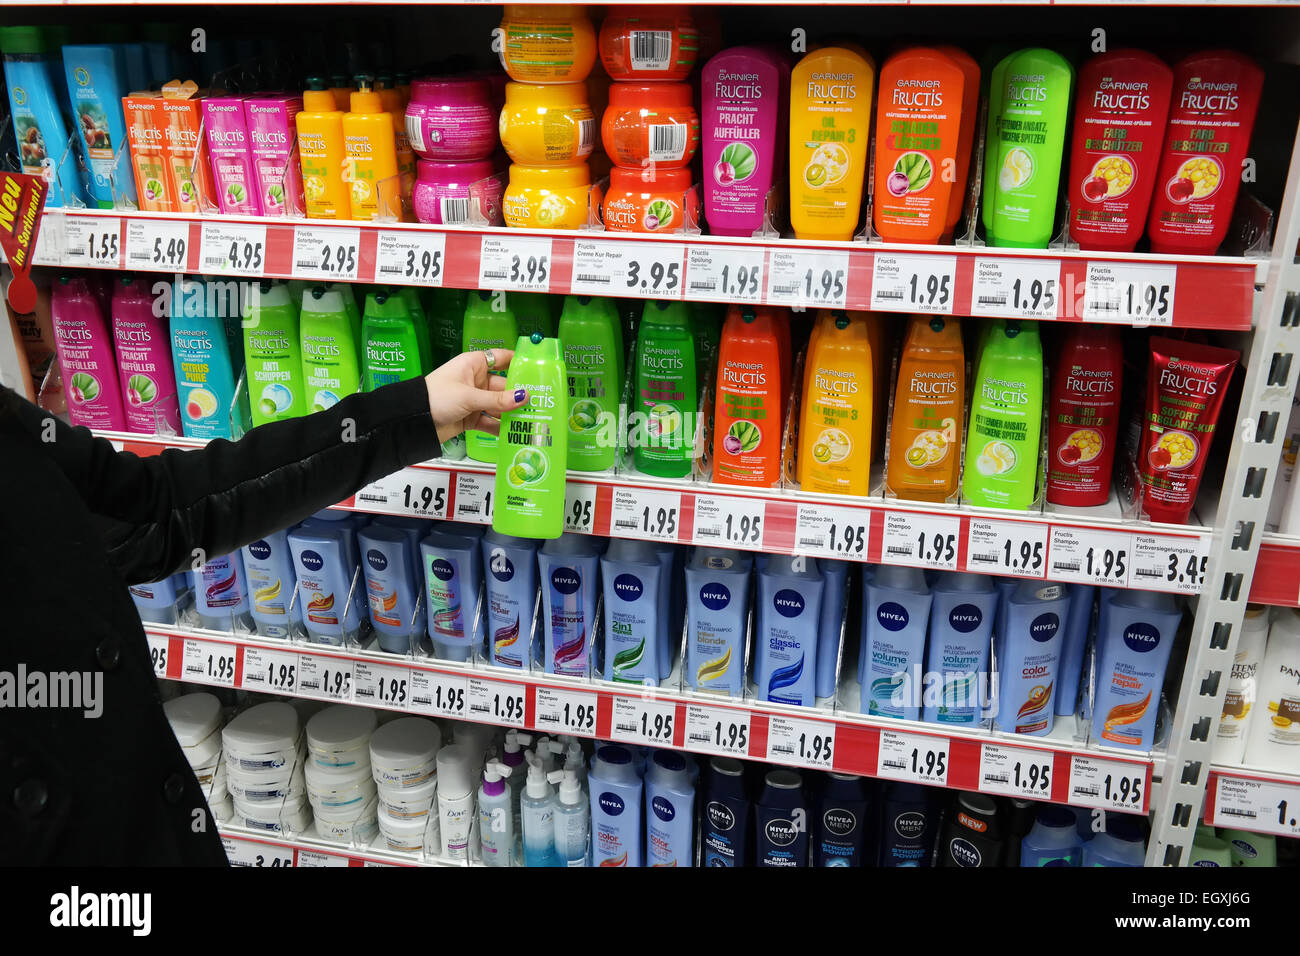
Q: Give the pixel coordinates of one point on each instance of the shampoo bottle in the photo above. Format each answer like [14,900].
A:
[1120,844]
[909,824]
[1053,841]
[571,821]
[973,833]
[835,432]
[781,821]
[1273,737]
[392,341]
[895,615]
[205,361]
[1005,419]
[724,821]
[717,607]
[789,600]
[616,788]
[330,369]
[495,820]
[157,602]
[268,568]
[221,595]
[567,568]
[533,449]
[535,312]
[1030,655]
[486,327]
[970,109]
[144,361]
[831,627]
[961,631]
[323,155]
[929,409]
[840,827]
[593,358]
[1239,709]
[371,148]
[1247,848]
[323,564]
[751,390]
[1074,646]
[391,587]
[96,78]
[452,565]
[1136,633]
[1083,419]
[665,396]
[632,580]
[537,811]
[272,353]
[40,132]
[670,810]
[510,573]
[84,343]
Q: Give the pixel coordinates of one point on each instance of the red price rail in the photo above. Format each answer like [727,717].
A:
[1277,572]
[1072,286]
[255,849]
[1254,800]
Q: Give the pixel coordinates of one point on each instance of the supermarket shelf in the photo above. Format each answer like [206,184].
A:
[1074,545]
[1263,801]
[1136,289]
[245,847]
[1277,572]
[1058,768]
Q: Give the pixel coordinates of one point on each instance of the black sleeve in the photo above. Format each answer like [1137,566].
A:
[155,511]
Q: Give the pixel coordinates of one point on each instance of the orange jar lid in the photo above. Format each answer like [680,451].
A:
[651,96]
[671,181]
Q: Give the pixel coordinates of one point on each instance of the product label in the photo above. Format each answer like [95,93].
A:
[912,192]
[507,616]
[1081,433]
[724,835]
[838,421]
[836,108]
[735,183]
[890,655]
[525,454]
[144,361]
[782,836]
[743,393]
[628,610]
[1031,680]
[567,640]
[610,841]
[1004,430]
[841,837]
[717,621]
[1026,154]
[443,589]
[592,388]
[925,438]
[786,627]
[1131,683]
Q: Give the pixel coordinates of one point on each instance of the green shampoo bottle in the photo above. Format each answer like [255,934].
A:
[272,353]
[592,336]
[330,369]
[486,328]
[411,298]
[666,392]
[534,311]
[445,310]
[1006,418]
[532,454]
[391,341]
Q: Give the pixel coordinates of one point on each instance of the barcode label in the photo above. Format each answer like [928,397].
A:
[455,211]
[651,49]
[415,132]
[586,136]
[991,300]
[668,142]
[592,277]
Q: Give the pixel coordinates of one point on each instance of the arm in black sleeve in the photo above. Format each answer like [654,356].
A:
[157,510]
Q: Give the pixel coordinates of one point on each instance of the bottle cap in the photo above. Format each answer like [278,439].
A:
[455,766]
[570,788]
[783,780]
[536,338]
[494,774]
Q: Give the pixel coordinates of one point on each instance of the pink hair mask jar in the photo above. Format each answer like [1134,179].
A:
[451,121]
[448,194]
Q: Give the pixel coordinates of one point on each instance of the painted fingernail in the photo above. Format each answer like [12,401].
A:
[521,396]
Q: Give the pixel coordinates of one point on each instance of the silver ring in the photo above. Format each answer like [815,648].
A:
[490,357]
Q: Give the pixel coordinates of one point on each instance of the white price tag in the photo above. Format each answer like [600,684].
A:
[92,241]
[317,858]
[515,263]
[274,672]
[1089,556]
[326,677]
[815,280]
[433,692]
[1131,293]
[565,711]
[496,702]
[907,283]
[1016,548]
[1264,806]
[419,492]
[920,540]
[650,270]
[831,531]
[1015,288]
[49,242]
[474,497]
[159,647]
[382,685]
[1109,784]
[1168,563]
[644,720]
[249,853]
[918,758]
[729,522]
[410,258]
[807,743]
[1016,772]
[157,245]
[580,508]
[209,662]
[328,253]
[643,513]
[717,730]
[725,273]
[230,248]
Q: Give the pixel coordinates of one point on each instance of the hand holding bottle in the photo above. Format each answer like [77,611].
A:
[463,393]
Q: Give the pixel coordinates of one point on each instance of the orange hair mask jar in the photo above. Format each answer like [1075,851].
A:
[649,43]
[664,204]
[650,123]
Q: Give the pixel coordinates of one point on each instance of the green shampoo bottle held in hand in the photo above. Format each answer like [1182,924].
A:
[1006,419]
[392,341]
[330,369]
[666,392]
[592,336]
[272,353]
[532,453]
[489,324]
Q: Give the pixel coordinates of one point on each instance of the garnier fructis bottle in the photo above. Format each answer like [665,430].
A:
[320,147]
[747,404]
[665,397]
[489,324]
[535,312]
[830,121]
[392,103]
[1119,126]
[411,299]
[1083,419]
[371,147]
[918,127]
[272,353]
[392,342]
[1029,109]
[532,453]
[837,409]
[330,368]
[970,109]
[1216,95]
[925,434]
[593,357]
[1005,419]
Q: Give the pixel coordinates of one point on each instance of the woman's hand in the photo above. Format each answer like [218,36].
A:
[462,393]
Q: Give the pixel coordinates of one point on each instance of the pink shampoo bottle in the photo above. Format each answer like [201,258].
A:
[230,153]
[144,360]
[85,348]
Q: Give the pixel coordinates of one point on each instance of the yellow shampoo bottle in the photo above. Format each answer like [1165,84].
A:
[836,413]
[320,147]
[372,155]
[830,122]
[391,98]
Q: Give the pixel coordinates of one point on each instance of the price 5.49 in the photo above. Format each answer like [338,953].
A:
[173,253]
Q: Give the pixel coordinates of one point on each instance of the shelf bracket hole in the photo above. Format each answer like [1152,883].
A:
[1191,776]
[1220,636]
[1231,587]
[1201,729]
[1267,427]
[1245,534]
[1254,484]
[1173,853]
[1279,369]
[1210,686]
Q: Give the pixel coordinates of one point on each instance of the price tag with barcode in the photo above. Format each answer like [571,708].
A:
[812,280]
[806,743]
[49,242]
[92,241]
[209,662]
[1016,772]
[830,531]
[382,685]
[328,253]
[326,677]
[249,853]
[717,730]
[1090,556]
[726,273]
[580,508]
[515,263]
[1016,548]
[275,672]
[315,859]
[1264,806]
[1169,563]
[645,720]
[1109,784]
[919,758]
[433,692]
[157,244]
[496,702]
[907,283]
[419,492]
[565,711]
[924,540]
[644,513]
[650,270]
[1015,288]
[728,522]
[410,258]
[474,497]
[231,248]
[1130,293]
[159,650]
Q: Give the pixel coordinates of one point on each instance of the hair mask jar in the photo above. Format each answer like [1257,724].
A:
[547,43]
[547,197]
[547,125]
[649,43]
[664,203]
[451,121]
[449,194]
[651,123]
